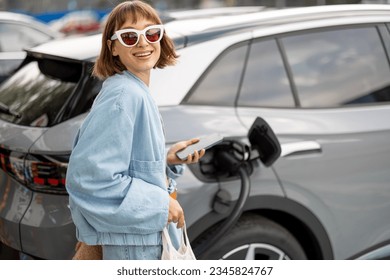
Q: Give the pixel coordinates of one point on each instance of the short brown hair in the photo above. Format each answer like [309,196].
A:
[106,64]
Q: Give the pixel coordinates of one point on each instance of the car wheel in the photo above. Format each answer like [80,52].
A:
[254,238]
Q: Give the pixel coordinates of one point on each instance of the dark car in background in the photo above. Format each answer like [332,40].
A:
[319,76]
[18,32]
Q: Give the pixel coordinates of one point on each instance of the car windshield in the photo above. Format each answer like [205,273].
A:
[36,94]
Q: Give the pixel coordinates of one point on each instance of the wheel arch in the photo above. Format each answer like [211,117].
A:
[296,218]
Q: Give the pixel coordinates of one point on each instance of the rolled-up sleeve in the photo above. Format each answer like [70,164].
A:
[173,172]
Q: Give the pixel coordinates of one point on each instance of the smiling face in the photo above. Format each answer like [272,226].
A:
[142,57]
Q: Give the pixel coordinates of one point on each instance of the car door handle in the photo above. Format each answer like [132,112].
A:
[300,148]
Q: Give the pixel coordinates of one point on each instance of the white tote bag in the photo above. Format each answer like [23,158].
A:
[169,251]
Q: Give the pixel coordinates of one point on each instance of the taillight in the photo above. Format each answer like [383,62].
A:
[46,173]
[13,164]
[42,173]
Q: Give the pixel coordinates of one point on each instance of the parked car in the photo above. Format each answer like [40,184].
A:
[77,22]
[18,32]
[319,76]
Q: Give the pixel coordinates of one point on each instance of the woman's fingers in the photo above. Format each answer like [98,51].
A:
[175,214]
[195,156]
[180,222]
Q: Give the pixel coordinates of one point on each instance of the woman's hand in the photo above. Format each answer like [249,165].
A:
[173,159]
[175,213]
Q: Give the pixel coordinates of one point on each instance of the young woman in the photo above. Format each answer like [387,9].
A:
[120,175]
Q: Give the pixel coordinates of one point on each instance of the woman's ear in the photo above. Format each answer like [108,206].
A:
[111,47]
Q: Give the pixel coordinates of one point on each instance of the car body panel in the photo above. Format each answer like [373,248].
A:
[352,190]
[201,120]
[18,138]
[349,184]
[58,139]
[14,201]
[46,224]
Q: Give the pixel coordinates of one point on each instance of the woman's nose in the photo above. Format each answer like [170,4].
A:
[142,41]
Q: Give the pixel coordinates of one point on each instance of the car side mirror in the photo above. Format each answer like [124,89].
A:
[263,139]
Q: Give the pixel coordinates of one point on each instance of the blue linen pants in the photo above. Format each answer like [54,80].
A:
[130,252]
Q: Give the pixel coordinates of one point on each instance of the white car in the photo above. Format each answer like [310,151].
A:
[18,32]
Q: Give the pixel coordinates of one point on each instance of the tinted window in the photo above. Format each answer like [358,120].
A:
[17,37]
[265,82]
[339,67]
[35,95]
[219,85]
[7,66]
[85,99]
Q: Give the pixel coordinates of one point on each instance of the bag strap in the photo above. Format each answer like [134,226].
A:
[184,237]
[166,239]
[184,252]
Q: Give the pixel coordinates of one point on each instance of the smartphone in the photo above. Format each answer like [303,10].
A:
[204,142]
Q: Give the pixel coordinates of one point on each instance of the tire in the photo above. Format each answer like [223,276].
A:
[254,238]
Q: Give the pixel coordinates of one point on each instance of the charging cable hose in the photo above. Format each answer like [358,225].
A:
[229,162]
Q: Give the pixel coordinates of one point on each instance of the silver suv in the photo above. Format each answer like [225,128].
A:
[319,76]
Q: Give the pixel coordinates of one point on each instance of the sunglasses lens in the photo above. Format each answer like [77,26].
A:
[153,35]
[129,38]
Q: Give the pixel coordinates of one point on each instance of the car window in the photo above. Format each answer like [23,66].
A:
[339,67]
[219,85]
[83,102]
[35,94]
[265,82]
[17,37]
[7,65]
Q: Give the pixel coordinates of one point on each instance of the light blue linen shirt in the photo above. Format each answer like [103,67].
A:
[116,177]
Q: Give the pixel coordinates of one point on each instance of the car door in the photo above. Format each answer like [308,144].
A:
[326,94]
